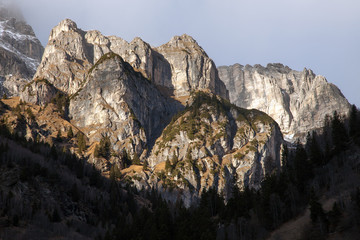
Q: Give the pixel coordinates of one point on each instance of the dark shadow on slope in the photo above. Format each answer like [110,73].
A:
[47,192]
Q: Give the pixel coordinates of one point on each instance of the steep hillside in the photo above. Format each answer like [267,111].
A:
[50,194]
[39,124]
[213,144]
[298,101]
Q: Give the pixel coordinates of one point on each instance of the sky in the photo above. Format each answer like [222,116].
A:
[323,35]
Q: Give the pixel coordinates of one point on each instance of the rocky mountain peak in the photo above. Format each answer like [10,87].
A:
[191,68]
[278,67]
[139,41]
[75,51]
[184,38]
[184,43]
[94,37]
[297,100]
[65,25]
[18,26]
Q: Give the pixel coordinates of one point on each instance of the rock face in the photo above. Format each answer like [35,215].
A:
[191,68]
[177,67]
[120,103]
[65,61]
[38,91]
[297,101]
[213,143]
[20,51]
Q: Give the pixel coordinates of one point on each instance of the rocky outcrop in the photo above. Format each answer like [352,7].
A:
[120,103]
[20,51]
[177,68]
[297,101]
[191,68]
[213,143]
[38,91]
[65,61]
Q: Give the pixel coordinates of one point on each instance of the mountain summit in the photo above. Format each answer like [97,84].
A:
[177,68]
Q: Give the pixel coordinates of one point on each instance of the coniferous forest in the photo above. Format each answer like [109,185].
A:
[46,191]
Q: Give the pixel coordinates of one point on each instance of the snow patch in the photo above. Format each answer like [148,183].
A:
[289,138]
[30,62]
[5,30]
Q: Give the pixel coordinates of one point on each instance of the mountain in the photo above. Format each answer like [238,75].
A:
[177,68]
[214,144]
[298,101]
[125,94]
[120,140]
[20,51]
[119,102]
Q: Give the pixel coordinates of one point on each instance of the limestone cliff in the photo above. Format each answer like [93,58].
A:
[191,68]
[297,101]
[177,68]
[20,51]
[38,91]
[120,103]
[65,61]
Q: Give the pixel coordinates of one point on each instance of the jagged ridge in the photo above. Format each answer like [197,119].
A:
[74,51]
[298,101]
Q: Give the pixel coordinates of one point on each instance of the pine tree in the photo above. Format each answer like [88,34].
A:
[353,122]
[114,173]
[339,135]
[70,133]
[58,136]
[316,210]
[97,151]
[315,154]
[136,159]
[30,114]
[167,165]
[145,165]
[285,157]
[125,158]
[53,152]
[174,160]
[302,167]
[74,192]
[81,142]
[103,149]
[334,217]
[55,217]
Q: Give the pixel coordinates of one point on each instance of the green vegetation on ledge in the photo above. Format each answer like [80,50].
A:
[109,55]
[40,80]
[196,118]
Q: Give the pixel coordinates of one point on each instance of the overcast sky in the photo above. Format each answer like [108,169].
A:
[323,35]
